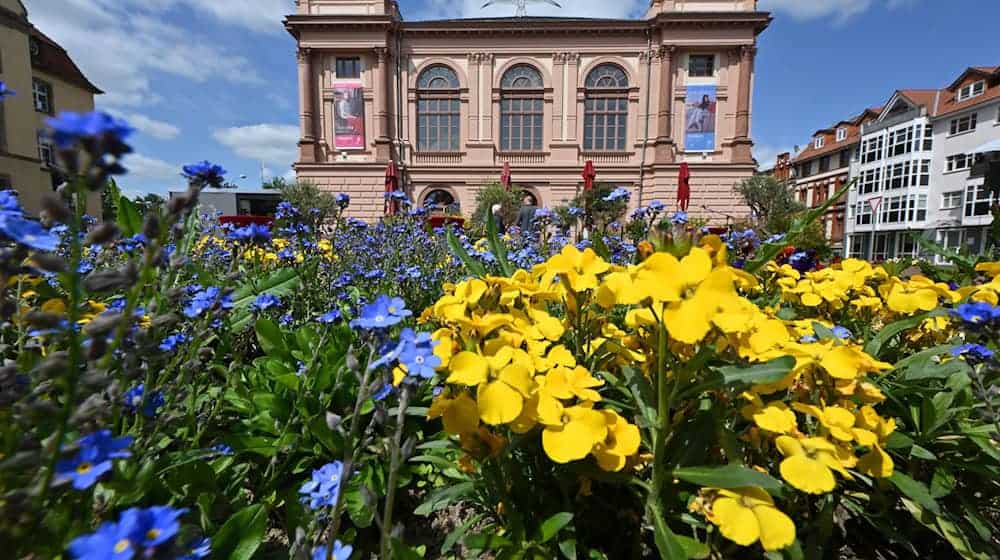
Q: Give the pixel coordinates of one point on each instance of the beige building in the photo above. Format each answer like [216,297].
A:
[47,82]
[452,101]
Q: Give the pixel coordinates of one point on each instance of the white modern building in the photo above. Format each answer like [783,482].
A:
[913,168]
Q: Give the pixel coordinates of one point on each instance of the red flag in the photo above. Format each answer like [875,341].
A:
[505,176]
[391,182]
[684,187]
[588,175]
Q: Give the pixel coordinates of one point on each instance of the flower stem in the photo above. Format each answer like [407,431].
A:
[394,452]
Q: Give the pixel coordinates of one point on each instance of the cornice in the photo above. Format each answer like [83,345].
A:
[13,20]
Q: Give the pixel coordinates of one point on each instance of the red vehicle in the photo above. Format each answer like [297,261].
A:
[246,219]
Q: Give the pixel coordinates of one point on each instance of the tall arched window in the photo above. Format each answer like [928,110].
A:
[605,108]
[521,109]
[438,115]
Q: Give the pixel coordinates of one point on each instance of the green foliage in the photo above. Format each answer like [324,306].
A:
[306,195]
[495,193]
[598,212]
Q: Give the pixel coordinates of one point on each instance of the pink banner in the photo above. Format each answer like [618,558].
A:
[348,116]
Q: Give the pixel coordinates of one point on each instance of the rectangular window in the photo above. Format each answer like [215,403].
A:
[818,142]
[959,162]
[824,164]
[437,125]
[841,134]
[871,181]
[858,246]
[917,208]
[42,93]
[871,149]
[977,201]
[805,169]
[521,124]
[701,65]
[972,90]
[951,200]
[46,153]
[820,194]
[964,124]
[604,123]
[845,158]
[348,68]
[863,213]
[951,239]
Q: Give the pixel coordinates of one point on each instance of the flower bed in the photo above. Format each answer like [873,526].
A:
[174,387]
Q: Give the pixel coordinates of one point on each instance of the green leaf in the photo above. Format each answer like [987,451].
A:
[693,548]
[568,548]
[474,267]
[271,340]
[241,535]
[943,482]
[496,245]
[642,392]
[487,542]
[129,220]
[728,476]
[279,283]
[459,532]
[768,251]
[400,551]
[888,332]
[441,498]
[600,247]
[666,541]
[551,526]
[760,374]
[916,491]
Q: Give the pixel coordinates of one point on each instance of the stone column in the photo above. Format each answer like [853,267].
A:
[560,95]
[741,138]
[307,103]
[665,115]
[487,103]
[380,93]
[475,96]
[572,70]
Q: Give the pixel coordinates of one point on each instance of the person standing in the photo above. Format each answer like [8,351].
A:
[526,215]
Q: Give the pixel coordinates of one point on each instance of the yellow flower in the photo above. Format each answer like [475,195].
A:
[565,383]
[460,415]
[746,515]
[809,463]
[573,434]
[622,441]
[775,417]
[990,268]
[839,422]
[579,269]
[876,463]
[849,362]
[908,297]
[502,384]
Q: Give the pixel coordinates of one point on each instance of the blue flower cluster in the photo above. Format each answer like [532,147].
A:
[323,488]
[204,174]
[19,229]
[263,302]
[978,314]
[139,532]
[255,234]
[618,194]
[382,313]
[134,397]
[206,299]
[93,459]
[973,353]
[340,551]
[171,343]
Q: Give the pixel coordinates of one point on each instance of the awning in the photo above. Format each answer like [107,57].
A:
[991,146]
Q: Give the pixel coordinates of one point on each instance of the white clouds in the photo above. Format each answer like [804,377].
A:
[839,10]
[274,144]
[145,167]
[119,44]
[767,155]
[434,9]
[264,16]
[151,127]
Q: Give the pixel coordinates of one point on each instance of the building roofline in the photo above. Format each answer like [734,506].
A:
[759,20]
[74,75]
[985,71]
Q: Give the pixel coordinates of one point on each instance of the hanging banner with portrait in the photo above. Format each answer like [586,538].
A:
[699,119]
[348,116]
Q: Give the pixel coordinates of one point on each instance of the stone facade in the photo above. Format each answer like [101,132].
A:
[47,82]
[653,55]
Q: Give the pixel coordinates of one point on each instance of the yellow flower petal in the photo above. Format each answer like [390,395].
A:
[468,368]
[736,522]
[499,403]
[776,529]
[807,475]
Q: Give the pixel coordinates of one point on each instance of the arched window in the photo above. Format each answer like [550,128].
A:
[605,109]
[521,109]
[439,198]
[437,110]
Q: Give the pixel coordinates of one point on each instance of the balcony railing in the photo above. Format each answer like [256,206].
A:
[438,158]
[607,158]
[521,158]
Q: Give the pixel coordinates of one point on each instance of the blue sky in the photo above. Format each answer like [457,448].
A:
[216,79]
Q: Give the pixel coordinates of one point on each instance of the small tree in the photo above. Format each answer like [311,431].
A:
[318,205]
[599,212]
[771,202]
[150,202]
[495,193]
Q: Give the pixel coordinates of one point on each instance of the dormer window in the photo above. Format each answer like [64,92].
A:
[841,134]
[818,142]
[972,90]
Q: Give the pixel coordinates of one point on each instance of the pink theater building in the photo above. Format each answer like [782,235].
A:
[451,101]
